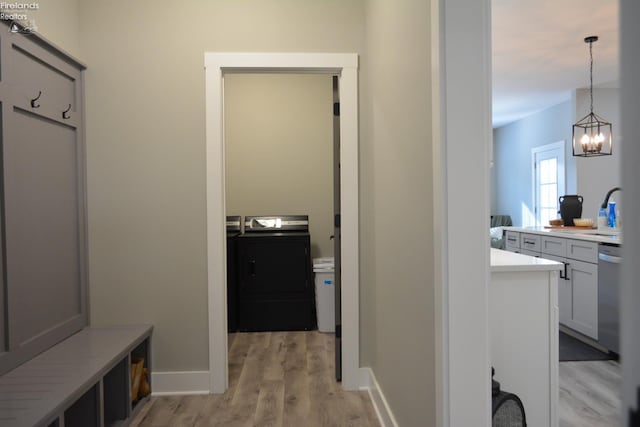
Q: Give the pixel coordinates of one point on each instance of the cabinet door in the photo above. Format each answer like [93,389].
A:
[565,303]
[584,297]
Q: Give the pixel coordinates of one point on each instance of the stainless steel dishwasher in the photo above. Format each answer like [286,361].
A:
[609,260]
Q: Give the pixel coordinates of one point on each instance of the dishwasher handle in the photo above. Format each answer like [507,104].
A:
[610,258]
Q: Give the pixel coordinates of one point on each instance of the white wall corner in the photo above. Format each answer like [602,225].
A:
[180,383]
[383,411]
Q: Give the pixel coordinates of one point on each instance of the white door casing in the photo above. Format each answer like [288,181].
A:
[539,155]
[345,65]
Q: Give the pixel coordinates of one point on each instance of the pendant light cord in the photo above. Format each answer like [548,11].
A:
[591,74]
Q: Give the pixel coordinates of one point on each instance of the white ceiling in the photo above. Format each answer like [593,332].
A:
[539,53]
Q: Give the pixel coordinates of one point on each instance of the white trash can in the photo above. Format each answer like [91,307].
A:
[324,271]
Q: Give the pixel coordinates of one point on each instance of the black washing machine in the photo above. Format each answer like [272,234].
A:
[233,230]
[275,284]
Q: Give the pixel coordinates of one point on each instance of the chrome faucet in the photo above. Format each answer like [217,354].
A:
[606,198]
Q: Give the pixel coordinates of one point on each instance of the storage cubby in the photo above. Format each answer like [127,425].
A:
[140,355]
[116,393]
[85,411]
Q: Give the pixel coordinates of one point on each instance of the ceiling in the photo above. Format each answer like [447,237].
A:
[539,53]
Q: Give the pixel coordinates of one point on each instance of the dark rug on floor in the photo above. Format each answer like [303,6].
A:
[574,350]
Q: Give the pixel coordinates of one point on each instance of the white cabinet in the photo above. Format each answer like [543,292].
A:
[578,285]
[583,277]
[523,325]
[530,242]
[564,291]
[513,241]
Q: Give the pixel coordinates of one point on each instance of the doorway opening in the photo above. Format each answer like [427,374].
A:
[344,66]
[281,159]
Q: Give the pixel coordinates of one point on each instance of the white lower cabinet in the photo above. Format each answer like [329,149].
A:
[565,292]
[584,297]
[578,283]
[513,241]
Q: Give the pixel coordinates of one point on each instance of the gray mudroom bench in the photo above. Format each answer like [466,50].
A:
[83,381]
[55,370]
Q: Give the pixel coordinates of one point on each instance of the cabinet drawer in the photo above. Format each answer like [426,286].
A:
[582,250]
[554,246]
[512,240]
[530,253]
[530,242]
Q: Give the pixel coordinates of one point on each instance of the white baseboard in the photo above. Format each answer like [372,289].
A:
[368,382]
[181,382]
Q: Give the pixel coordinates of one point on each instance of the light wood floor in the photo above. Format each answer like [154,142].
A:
[286,379]
[590,394]
[275,379]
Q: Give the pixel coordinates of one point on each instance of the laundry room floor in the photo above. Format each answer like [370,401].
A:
[275,379]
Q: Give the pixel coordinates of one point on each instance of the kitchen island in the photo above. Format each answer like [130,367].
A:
[523,328]
[579,284]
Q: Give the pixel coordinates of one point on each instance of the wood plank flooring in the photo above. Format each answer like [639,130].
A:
[286,379]
[590,394]
[275,379]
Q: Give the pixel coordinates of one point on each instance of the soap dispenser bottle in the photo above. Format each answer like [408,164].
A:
[612,222]
[602,218]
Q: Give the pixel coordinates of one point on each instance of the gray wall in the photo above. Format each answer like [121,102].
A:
[397,208]
[597,175]
[279,149]
[146,148]
[146,170]
[512,158]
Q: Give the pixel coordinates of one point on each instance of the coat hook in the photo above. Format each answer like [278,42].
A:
[33,101]
[64,113]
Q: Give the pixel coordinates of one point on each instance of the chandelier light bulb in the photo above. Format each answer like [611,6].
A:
[584,141]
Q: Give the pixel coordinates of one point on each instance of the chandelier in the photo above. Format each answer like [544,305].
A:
[592,134]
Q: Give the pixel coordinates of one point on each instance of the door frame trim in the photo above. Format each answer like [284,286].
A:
[345,65]
[560,185]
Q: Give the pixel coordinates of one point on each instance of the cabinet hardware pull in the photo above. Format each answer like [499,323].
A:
[33,101]
[566,274]
[64,113]
[252,268]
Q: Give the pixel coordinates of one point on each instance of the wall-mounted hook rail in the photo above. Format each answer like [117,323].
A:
[33,101]
[64,113]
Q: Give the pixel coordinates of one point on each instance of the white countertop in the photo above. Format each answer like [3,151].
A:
[502,261]
[593,235]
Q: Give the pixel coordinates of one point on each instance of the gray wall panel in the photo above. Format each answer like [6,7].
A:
[42,235]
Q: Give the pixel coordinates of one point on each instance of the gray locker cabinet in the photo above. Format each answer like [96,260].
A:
[42,198]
